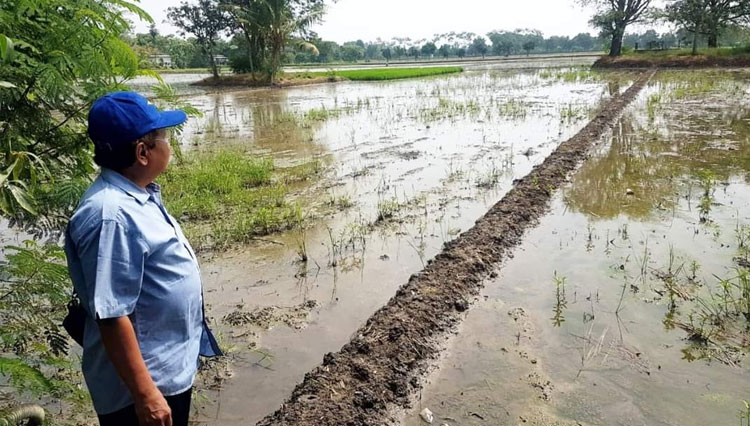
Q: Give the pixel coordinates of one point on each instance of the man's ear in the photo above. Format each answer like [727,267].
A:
[140,153]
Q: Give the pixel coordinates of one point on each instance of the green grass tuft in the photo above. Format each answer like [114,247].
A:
[229,197]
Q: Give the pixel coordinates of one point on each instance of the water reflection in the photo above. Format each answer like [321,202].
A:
[647,165]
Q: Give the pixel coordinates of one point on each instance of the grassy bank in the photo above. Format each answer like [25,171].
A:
[378,74]
[229,197]
[222,70]
[302,78]
[680,58]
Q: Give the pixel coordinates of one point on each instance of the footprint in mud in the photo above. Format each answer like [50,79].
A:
[540,383]
[524,348]
[538,417]
[524,326]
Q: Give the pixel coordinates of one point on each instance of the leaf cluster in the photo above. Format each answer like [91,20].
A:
[56,58]
[34,290]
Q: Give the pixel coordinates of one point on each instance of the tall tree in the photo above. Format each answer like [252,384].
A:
[612,17]
[445,50]
[247,17]
[206,21]
[387,55]
[722,13]
[691,15]
[429,49]
[479,46]
[287,18]
[528,46]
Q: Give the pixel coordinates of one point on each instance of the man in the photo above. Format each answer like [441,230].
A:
[135,273]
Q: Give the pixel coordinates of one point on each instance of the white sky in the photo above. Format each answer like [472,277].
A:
[348,20]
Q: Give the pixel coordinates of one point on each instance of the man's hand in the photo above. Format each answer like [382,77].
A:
[153,410]
[118,338]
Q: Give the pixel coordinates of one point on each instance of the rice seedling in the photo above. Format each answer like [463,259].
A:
[387,209]
[561,303]
[490,178]
[571,113]
[707,182]
[301,237]
[322,114]
[653,105]
[340,202]
[512,108]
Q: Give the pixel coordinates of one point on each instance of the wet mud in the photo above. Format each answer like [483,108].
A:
[381,367]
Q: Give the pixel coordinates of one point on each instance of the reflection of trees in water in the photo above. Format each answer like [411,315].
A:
[261,120]
[641,169]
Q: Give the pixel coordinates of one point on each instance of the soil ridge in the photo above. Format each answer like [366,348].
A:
[695,61]
[381,367]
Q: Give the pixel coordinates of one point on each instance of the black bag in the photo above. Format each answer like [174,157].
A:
[75,320]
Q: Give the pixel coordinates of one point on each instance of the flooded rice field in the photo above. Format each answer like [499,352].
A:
[406,166]
[629,303]
[601,316]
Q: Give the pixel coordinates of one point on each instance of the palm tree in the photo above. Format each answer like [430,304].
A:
[285,18]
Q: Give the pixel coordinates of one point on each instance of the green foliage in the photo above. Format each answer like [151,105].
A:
[613,17]
[205,21]
[34,290]
[240,64]
[57,57]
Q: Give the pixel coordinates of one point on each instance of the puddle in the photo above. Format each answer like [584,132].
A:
[409,165]
[593,322]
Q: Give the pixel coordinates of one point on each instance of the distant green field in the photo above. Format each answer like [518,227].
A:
[381,73]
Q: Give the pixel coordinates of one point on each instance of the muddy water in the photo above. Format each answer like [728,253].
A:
[434,153]
[579,328]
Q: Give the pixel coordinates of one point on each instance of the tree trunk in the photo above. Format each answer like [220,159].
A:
[277,45]
[713,38]
[212,61]
[695,42]
[249,41]
[616,46]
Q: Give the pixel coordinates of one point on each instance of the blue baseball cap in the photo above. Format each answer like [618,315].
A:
[124,117]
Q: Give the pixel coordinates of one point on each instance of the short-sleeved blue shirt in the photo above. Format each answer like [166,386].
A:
[128,257]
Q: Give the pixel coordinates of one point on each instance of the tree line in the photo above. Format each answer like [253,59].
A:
[709,18]
[259,36]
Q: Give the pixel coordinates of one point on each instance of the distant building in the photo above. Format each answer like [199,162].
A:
[161,61]
[221,60]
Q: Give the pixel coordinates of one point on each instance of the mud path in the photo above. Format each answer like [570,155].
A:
[381,367]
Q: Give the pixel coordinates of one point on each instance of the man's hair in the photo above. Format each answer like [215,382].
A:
[120,157]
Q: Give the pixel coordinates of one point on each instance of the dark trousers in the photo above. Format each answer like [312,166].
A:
[180,405]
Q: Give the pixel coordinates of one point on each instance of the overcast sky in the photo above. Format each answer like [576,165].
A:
[348,20]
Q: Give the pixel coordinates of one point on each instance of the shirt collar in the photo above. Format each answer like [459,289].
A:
[127,186]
